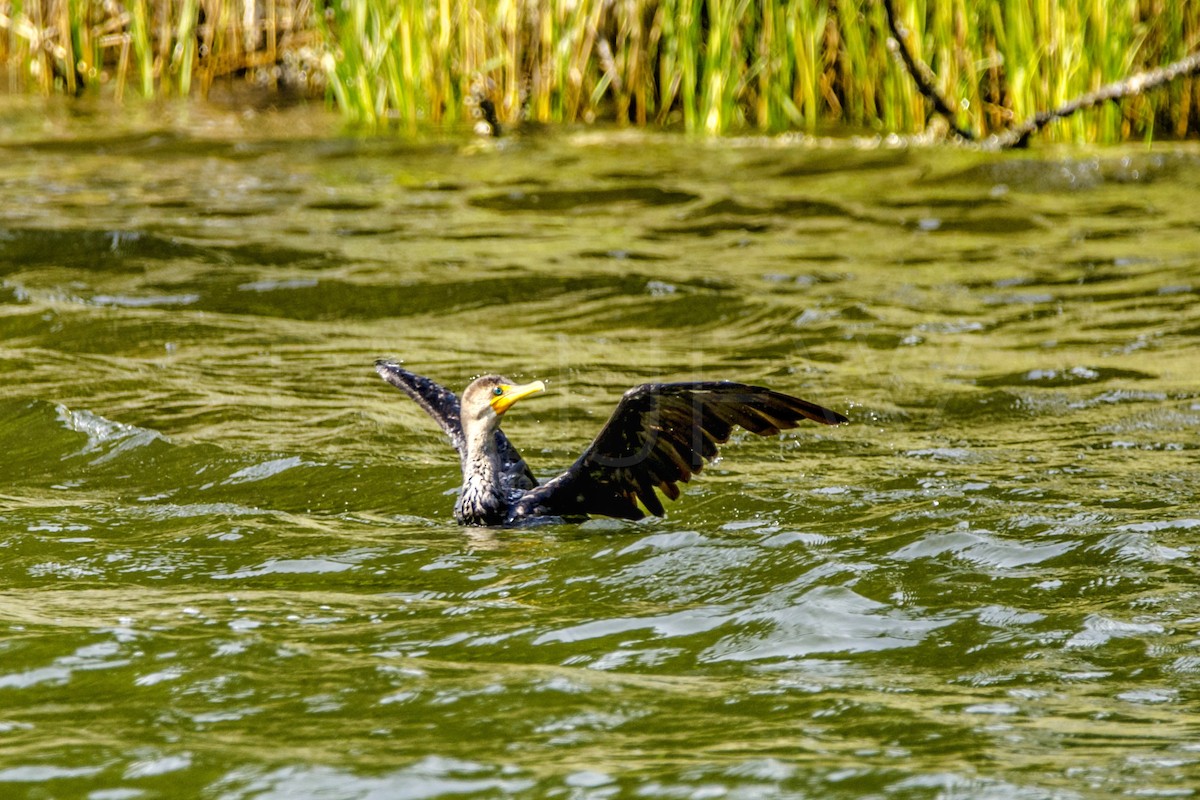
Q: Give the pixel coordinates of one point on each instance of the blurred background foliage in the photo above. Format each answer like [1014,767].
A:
[711,66]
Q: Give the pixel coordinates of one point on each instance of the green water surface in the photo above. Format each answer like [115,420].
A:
[228,562]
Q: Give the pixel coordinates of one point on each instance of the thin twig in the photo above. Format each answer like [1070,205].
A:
[1018,136]
[921,74]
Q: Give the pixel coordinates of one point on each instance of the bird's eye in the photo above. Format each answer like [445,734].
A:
[499,390]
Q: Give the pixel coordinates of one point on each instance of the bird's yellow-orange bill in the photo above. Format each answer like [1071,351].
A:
[512,394]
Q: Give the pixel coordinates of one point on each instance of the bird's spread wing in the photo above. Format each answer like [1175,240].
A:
[661,434]
[438,401]
[442,404]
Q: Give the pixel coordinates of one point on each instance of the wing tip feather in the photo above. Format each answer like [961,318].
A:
[689,421]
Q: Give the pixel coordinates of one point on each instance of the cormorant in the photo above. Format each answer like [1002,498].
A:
[660,434]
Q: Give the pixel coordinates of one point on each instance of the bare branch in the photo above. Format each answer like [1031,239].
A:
[1018,136]
[921,74]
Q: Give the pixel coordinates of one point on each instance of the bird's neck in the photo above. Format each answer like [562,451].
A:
[482,500]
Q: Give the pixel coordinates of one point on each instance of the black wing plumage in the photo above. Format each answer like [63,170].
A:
[443,405]
[661,434]
[438,401]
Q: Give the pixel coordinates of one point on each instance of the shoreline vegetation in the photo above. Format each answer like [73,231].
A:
[704,66]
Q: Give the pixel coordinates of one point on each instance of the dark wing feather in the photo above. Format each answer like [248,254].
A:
[438,401]
[442,404]
[660,435]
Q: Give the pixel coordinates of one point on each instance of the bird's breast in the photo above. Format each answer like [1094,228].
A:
[480,505]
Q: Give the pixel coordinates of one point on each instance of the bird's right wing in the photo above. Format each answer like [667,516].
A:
[442,404]
[438,401]
[660,435]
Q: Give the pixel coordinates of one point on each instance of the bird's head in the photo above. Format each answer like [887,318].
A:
[486,399]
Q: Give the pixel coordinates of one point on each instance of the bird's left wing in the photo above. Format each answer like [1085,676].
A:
[442,404]
[659,435]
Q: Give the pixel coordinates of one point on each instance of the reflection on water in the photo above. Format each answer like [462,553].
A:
[229,565]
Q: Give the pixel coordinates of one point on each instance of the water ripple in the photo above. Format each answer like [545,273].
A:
[826,619]
[228,548]
[428,778]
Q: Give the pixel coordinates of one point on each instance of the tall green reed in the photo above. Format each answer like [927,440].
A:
[708,66]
